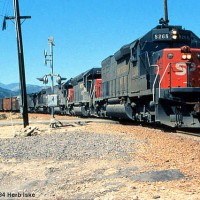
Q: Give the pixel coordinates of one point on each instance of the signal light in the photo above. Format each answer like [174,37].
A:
[59,79]
[45,79]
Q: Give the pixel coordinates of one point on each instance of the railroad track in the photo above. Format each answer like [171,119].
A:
[191,132]
[196,134]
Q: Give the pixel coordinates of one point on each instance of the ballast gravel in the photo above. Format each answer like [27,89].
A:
[67,146]
[100,161]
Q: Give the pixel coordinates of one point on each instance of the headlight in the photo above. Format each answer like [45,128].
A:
[174,32]
[174,37]
[184,56]
[189,56]
[198,56]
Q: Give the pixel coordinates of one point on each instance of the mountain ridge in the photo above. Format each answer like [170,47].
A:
[12,89]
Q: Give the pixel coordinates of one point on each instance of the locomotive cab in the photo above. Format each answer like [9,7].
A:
[176,82]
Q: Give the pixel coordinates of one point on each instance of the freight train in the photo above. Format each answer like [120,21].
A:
[154,79]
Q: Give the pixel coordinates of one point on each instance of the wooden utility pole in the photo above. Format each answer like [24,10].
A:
[17,19]
[21,63]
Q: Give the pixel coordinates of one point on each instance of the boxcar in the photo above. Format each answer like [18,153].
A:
[15,104]
[7,104]
[11,104]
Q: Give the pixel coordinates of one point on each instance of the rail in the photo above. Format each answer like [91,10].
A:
[194,133]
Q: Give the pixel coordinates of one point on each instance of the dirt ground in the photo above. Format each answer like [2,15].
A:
[159,165]
[9,116]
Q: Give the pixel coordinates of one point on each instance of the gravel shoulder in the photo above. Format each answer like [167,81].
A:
[99,161]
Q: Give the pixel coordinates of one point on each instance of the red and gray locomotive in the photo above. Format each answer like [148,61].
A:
[154,79]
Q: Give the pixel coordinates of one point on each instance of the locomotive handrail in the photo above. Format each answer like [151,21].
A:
[148,58]
[162,79]
[153,91]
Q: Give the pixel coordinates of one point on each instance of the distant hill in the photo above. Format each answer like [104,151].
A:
[12,89]
[11,86]
[7,93]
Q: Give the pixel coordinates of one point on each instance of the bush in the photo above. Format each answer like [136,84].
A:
[3,116]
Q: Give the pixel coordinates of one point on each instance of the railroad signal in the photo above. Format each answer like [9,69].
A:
[40,79]
[44,79]
[59,79]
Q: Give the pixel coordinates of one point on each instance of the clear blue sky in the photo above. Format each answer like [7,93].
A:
[85,32]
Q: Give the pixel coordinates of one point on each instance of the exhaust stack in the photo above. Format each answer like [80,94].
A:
[164,22]
[166,12]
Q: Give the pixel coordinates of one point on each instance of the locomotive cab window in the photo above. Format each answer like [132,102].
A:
[133,56]
[133,48]
[89,85]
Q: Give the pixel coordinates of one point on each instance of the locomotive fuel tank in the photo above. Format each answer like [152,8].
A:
[119,111]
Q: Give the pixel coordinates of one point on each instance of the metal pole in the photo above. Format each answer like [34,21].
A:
[51,65]
[21,63]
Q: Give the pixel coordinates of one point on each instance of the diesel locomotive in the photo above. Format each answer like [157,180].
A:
[155,79]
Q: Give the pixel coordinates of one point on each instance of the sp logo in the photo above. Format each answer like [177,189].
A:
[181,68]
